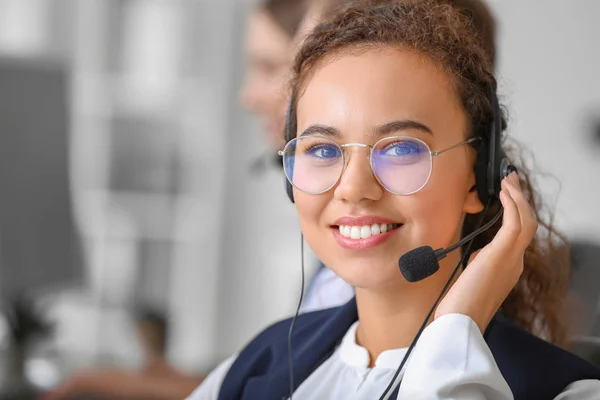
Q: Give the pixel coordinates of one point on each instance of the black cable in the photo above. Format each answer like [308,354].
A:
[476,232]
[392,386]
[290,358]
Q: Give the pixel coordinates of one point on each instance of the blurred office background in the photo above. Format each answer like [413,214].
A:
[128,156]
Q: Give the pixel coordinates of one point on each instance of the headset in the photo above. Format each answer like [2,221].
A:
[491,166]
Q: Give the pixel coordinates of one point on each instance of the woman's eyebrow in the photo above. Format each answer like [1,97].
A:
[323,130]
[381,130]
[401,125]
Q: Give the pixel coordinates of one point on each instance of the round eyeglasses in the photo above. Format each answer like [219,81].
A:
[401,164]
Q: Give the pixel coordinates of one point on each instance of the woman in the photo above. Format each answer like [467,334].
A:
[407,79]
[326,289]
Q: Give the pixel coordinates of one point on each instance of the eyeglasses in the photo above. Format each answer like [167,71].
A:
[401,164]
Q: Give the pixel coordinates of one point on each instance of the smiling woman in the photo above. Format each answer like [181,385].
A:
[394,126]
[407,87]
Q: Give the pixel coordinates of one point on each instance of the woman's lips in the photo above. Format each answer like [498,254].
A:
[362,237]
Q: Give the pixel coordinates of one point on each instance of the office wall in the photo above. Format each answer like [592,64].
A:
[549,63]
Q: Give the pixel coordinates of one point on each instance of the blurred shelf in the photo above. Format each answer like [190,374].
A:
[108,95]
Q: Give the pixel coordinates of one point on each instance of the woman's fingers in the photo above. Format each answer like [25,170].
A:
[511,223]
[529,222]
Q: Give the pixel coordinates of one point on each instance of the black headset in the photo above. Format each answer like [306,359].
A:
[491,166]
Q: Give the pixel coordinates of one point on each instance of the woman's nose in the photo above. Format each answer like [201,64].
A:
[358,183]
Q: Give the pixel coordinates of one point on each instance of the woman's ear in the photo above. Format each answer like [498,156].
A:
[473,204]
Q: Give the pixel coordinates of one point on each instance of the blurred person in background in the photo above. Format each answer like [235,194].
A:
[271,39]
[268,51]
[268,47]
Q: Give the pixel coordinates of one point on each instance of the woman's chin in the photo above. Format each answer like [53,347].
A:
[370,276]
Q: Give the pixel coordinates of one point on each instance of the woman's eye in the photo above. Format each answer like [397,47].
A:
[402,152]
[324,151]
[402,149]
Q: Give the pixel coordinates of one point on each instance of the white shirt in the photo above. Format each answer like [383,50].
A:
[451,361]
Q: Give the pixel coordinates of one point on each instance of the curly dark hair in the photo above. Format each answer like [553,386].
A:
[476,10]
[438,30]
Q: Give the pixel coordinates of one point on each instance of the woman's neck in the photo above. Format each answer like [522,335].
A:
[391,317]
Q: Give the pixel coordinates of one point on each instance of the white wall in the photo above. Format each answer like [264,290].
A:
[549,72]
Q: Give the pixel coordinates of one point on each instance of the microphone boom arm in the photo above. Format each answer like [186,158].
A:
[441,253]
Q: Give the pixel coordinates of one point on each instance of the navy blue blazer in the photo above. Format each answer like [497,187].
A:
[533,368]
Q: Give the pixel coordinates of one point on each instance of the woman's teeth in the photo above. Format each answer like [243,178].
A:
[366,231]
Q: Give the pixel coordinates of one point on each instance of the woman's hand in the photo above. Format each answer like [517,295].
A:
[495,270]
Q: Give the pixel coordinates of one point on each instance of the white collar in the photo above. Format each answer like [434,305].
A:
[357,356]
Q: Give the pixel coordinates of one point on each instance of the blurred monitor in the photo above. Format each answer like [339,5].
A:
[39,247]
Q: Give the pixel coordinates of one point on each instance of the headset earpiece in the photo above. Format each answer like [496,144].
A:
[290,133]
[492,164]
